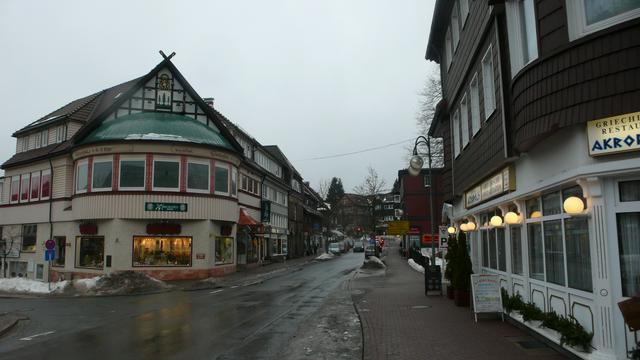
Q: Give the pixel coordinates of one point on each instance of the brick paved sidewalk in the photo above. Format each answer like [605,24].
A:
[399,322]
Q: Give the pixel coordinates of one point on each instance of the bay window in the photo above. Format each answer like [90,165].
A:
[132,173]
[588,16]
[101,175]
[222,179]
[234,182]
[166,175]
[82,173]
[198,176]
[523,41]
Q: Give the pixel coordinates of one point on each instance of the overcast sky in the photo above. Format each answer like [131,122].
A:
[316,78]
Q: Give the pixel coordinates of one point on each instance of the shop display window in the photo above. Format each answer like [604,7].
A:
[132,174]
[629,248]
[536,262]
[553,252]
[90,252]
[502,254]
[576,232]
[29,233]
[162,251]
[516,249]
[485,248]
[224,250]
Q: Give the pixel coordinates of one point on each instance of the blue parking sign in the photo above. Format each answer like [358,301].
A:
[49,255]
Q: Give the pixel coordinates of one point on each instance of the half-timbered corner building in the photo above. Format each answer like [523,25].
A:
[141,176]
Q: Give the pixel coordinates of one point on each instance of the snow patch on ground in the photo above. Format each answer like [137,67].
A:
[373,263]
[417,267]
[327,256]
[26,286]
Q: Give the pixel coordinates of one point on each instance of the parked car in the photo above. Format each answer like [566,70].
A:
[359,247]
[334,248]
[369,250]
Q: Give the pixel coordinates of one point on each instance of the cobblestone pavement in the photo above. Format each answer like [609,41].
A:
[400,322]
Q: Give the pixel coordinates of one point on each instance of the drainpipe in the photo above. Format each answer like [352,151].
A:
[50,217]
[264,176]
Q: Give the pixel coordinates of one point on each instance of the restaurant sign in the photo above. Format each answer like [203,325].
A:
[160,206]
[614,134]
[497,184]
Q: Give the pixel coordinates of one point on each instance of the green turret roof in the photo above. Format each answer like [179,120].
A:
[157,126]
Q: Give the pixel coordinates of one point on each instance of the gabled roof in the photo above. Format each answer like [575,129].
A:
[439,23]
[93,110]
[275,151]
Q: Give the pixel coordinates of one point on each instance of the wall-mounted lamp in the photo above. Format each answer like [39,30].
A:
[573,205]
[536,214]
[511,218]
[463,227]
[451,230]
[496,221]
[471,226]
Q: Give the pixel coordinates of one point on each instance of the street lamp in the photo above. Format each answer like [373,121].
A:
[415,166]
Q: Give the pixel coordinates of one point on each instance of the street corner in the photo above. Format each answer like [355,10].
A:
[9,321]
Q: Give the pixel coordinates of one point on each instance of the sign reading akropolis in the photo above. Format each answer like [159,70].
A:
[614,134]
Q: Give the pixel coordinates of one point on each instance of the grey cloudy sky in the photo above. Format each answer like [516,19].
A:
[316,78]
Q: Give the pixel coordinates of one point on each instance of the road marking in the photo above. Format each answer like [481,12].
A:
[234,286]
[214,292]
[29,338]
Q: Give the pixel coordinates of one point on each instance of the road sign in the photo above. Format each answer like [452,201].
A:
[399,227]
[50,244]
[49,255]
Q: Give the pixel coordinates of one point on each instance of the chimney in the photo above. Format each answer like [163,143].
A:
[208,101]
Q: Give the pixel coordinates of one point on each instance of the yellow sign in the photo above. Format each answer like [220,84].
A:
[398,227]
[614,134]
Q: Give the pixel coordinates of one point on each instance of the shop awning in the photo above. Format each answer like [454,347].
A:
[246,219]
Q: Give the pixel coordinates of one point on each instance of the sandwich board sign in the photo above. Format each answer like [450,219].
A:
[487,298]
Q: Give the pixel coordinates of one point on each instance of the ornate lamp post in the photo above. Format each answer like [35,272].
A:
[415,166]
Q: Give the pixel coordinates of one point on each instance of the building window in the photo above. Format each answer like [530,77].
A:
[488,86]
[576,232]
[553,252]
[464,120]
[222,179]
[523,42]
[455,27]
[35,186]
[45,180]
[629,190]
[485,248]
[25,185]
[90,252]
[61,133]
[82,174]
[162,251]
[224,250]
[234,182]
[464,11]
[15,189]
[29,236]
[44,138]
[18,268]
[536,261]
[493,259]
[628,226]
[166,175]
[36,141]
[132,174]
[516,249]
[588,16]
[39,271]
[198,176]
[502,250]
[475,105]
[456,133]
[101,175]
[448,47]
[61,246]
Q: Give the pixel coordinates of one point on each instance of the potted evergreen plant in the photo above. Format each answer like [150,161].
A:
[450,258]
[462,272]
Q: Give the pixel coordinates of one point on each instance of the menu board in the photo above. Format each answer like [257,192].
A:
[486,294]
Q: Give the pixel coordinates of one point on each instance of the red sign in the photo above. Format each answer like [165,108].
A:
[426,238]
[163,228]
[414,230]
[88,229]
[50,244]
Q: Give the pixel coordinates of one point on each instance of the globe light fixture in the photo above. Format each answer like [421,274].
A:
[463,227]
[413,172]
[496,221]
[535,214]
[573,205]
[416,163]
[471,226]
[451,230]
[511,218]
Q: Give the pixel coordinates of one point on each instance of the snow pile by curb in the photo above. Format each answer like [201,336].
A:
[373,263]
[417,267]
[26,286]
[327,256]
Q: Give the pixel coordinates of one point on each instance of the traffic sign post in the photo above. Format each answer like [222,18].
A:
[49,255]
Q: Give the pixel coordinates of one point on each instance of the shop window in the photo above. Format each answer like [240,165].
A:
[629,190]
[15,189]
[588,16]
[553,251]
[533,208]
[485,248]
[628,225]
[576,232]
[516,249]
[101,175]
[25,187]
[502,251]
[224,250]
[90,252]
[45,180]
[198,177]
[162,251]
[82,173]
[493,259]
[61,246]
[536,261]
[166,175]
[35,186]
[132,174]
[551,204]
[222,179]
[39,272]
[29,233]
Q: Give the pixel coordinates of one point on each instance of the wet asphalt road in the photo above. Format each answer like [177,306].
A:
[246,322]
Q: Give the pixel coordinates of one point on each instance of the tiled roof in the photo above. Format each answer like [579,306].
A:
[36,154]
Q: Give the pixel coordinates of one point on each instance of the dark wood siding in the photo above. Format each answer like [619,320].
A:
[594,77]
[552,26]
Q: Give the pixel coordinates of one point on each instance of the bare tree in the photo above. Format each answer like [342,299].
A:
[372,186]
[9,243]
[323,188]
[429,97]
